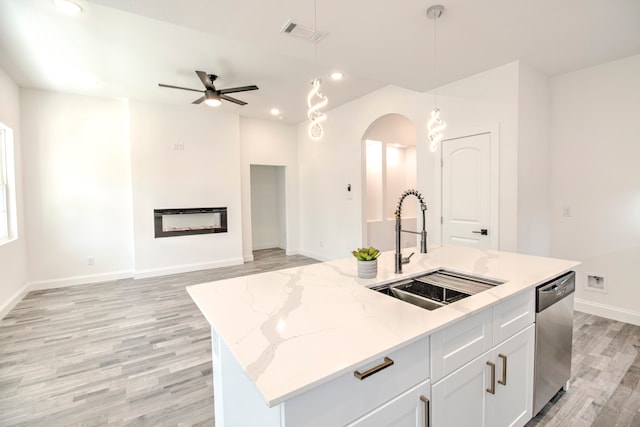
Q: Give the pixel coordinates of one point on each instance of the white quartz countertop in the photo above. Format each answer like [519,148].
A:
[293,329]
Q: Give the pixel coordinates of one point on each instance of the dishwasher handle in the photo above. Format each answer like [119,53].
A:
[551,292]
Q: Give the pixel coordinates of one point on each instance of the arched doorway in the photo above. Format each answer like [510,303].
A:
[389,168]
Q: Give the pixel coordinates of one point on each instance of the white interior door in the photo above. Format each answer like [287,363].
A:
[469,192]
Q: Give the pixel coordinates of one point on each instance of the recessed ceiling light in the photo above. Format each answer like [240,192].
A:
[67,6]
[275,111]
[337,75]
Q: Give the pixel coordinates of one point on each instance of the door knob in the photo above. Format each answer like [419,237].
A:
[483,232]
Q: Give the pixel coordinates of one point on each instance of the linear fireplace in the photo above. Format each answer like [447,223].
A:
[184,222]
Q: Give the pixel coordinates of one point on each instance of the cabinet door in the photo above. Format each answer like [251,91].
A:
[512,403]
[460,398]
[410,409]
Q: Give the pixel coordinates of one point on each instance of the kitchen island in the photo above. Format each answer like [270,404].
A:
[286,343]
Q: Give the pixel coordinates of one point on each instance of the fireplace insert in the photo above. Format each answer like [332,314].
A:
[188,221]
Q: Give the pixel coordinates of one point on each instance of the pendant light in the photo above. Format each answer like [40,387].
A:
[436,125]
[315,99]
[316,116]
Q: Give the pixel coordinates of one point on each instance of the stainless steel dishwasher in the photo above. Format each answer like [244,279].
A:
[554,334]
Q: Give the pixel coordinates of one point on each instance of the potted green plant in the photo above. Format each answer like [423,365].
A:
[367,261]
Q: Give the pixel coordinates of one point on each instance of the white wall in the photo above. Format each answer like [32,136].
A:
[400,176]
[331,221]
[267,207]
[595,172]
[534,137]
[265,142]
[13,254]
[77,188]
[205,172]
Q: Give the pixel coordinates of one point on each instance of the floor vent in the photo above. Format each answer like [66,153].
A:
[302,31]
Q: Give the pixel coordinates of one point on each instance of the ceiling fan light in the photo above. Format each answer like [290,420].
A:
[212,99]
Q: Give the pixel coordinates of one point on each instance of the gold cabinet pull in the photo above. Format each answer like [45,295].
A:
[492,387]
[426,410]
[362,375]
[503,380]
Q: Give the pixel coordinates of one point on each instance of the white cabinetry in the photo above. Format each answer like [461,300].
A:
[393,389]
[410,409]
[475,384]
[457,344]
[472,396]
[460,398]
[511,405]
[346,398]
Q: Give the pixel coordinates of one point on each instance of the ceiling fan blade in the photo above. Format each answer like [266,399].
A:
[206,81]
[178,87]
[199,100]
[234,100]
[238,89]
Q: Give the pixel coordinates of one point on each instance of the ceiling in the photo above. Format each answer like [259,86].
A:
[124,48]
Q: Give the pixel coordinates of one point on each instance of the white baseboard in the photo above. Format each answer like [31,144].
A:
[107,277]
[247,258]
[314,256]
[79,280]
[13,301]
[186,268]
[608,311]
[59,283]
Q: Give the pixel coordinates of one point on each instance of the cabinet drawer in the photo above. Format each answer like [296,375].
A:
[346,398]
[513,315]
[457,344]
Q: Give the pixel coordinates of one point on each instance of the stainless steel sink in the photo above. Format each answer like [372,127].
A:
[436,289]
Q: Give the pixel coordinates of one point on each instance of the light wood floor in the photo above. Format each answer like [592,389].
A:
[137,352]
[128,352]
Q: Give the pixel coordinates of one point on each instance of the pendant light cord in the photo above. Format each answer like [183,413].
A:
[435,125]
[315,30]
[435,57]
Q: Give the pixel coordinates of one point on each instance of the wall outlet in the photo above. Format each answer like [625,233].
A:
[90,260]
[596,283]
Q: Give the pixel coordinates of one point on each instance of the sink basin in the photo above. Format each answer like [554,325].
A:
[425,295]
[437,289]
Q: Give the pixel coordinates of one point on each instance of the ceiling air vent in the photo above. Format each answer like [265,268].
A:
[302,31]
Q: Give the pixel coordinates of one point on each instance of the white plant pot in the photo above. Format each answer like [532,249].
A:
[367,269]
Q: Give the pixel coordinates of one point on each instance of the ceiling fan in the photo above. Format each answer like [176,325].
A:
[213,96]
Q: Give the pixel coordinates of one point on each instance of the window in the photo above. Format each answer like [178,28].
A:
[7,196]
